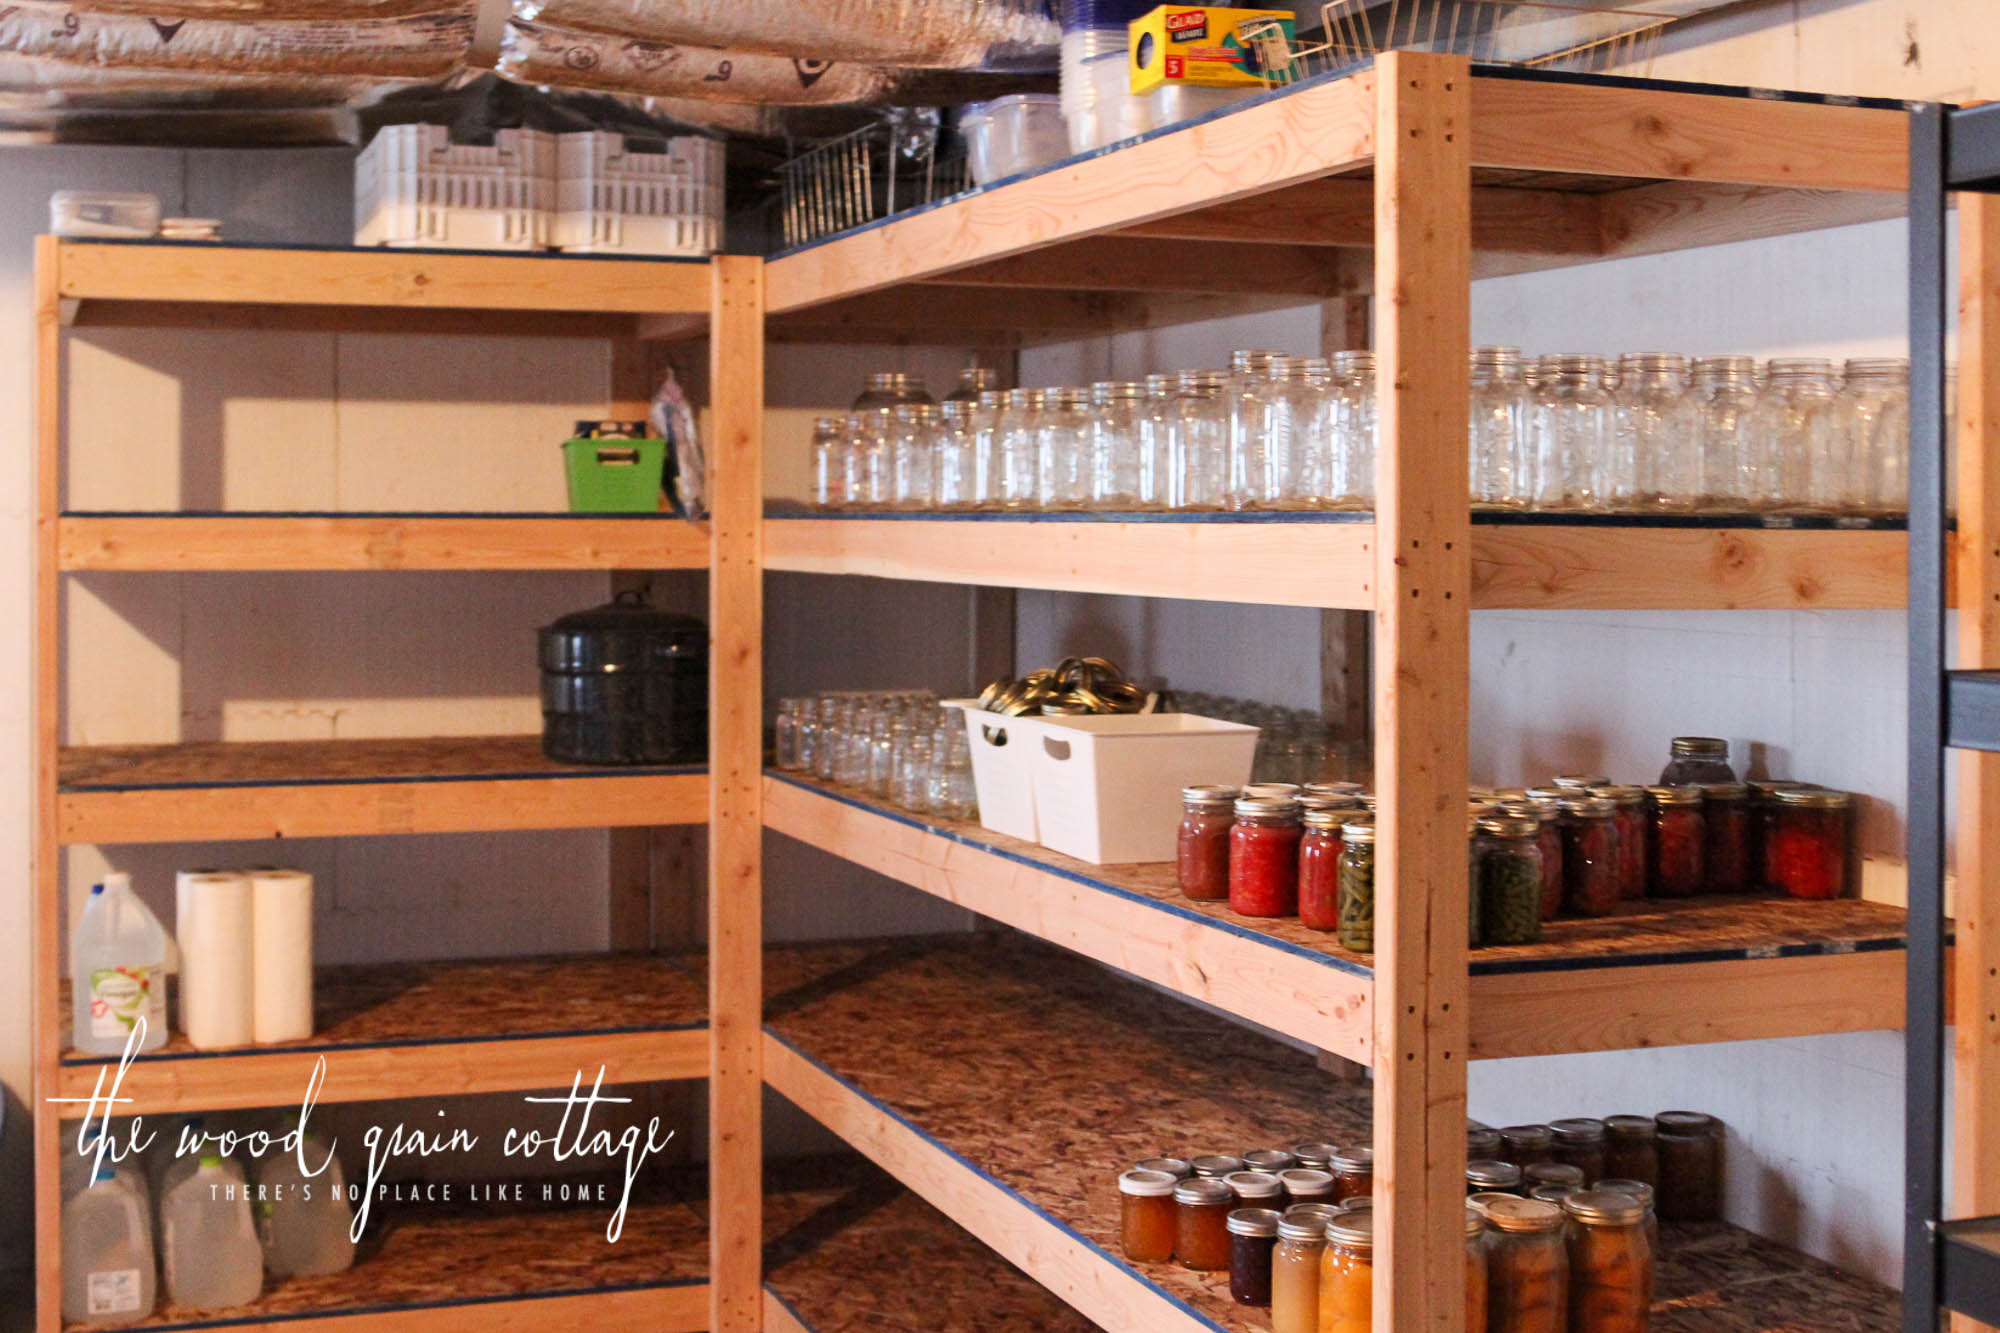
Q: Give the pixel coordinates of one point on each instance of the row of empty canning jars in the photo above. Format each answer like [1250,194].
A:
[1648,432]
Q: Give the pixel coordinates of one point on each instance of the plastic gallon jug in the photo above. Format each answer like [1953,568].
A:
[305,1221]
[118,970]
[209,1242]
[107,1254]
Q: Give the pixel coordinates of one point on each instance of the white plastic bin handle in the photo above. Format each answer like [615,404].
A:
[1055,749]
[993,736]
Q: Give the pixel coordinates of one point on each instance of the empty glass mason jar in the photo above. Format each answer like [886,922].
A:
[984,427]
[887,388]
[1114,443]
[1725,393]
[1352,404]
[973,381]
[1297,384]
[828,442]
[785,733]
[1019,471]
[953,472]
[1198,442]
[910,782]
[865,465]
[1799,466]
[951,790]
[1571,426]
[1498,429]
[914,455]
[1873,411]
[1151,434]
[1062,450]
[1252,405]
[1653,465]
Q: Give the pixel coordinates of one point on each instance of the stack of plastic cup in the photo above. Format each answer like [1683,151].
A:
[1097,100]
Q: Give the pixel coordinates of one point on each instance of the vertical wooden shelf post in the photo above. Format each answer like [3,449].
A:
[736,816]
[1423,580]
[47,878]
[1975,1187]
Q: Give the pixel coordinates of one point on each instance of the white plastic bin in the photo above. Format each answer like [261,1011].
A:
[612,200]
[1013,134]
[414,187]
[1000,773]
[1108,789]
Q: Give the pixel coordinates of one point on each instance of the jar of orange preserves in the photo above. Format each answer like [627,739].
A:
[1475,1271]
[1347,1275]
[1201,1224]
[1146,1209]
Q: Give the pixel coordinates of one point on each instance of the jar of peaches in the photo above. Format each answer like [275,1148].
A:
[1347,1274]
[1527,1267]
[1610,1263]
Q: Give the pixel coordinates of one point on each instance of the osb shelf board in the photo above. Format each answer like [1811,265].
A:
[861,1254]
[422,1257]
[1651,932]
[322,763]
[404,1004]
[1050,1075]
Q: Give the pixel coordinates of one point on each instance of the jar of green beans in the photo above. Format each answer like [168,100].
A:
[1510,880]
[1357,886]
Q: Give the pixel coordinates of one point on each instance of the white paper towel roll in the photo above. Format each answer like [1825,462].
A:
[282,956]
[214,920]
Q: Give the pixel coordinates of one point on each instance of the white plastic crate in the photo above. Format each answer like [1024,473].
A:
[1000,775]
[414,187]
[612,200]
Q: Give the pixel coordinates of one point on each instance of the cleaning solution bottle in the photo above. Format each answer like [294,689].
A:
[107,1254]
[209,1242]
[118,970]
[304,1219]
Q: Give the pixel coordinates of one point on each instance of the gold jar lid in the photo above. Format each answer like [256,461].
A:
[1210,794]
[1553,1173]
[1675,795]
[1485,1199]
[1619,793]
[1266,807]
[1329,819]
[1475,1222]
[1350,1160]
[1359,831]
[1508,826]
[1812,798]
[1698,747]
[1525,1215]
[1550,793]
[1314,1154]
[1577,1129]
[1302,1228]
[1312,801]
[1630,1126]
[1589,807]
[1493,1175]
[1290,791]
[1334,789]
[1601,1207]
[1638,1189]
[1579,781]
[1724,791]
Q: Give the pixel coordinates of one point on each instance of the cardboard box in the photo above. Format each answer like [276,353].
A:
[1198,44]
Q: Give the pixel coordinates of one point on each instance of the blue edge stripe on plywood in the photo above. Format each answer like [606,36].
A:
[510,775]
[1479,967]
[328,1048]
[1480,518]
[449,1303]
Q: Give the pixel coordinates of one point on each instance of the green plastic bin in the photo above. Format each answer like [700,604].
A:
[614,475]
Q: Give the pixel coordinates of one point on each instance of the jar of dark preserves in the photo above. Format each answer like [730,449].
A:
[1357,886]
[1690,1183]
[1253,1234]
[1552,1173]
[1353,1172]
[1482,1143]
[1579,1142]
[1202,857]
[1590,856]
[1319,869]
[1630,817]
[1679,842]
[1630,1148]
[1524,1145]
[1697,759]
[1264,857]
[1805,851]
[1725,814]
[1492,1177]
[1509,871]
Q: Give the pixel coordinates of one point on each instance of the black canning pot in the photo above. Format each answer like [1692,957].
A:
[624,683]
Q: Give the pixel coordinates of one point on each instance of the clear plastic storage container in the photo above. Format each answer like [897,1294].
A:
[1010,135]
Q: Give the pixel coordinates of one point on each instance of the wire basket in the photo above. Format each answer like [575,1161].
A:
[1540,34]
[879,170]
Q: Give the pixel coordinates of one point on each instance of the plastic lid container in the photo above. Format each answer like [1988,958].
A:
[1010,135]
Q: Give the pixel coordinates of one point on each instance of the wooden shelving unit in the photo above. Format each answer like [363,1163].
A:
[873,1041]
[1402,181]
[468,1027]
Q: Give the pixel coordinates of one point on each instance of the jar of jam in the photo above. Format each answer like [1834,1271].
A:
[1524,1145]
[1763,810]
[1269,1160]
[1580,1143]
[1631,1150]
[1547,811]
[1610,1263]
[1590,856]
[1725,813]
[1357,886]
[1578,782]
[1146,1210]
[1319,869]
[1805,850]
[1527,1268]
[1353,1172]
[1475,1270]
[1492,1177]
[1552,1173]
[1482,1143]
[1202,858]
[1264,857]
[1314,1156]
[1307,1185]
[1629,814]
[1347,1274]
[1253,1234]
[1216,1165]
[1295,1273]
[1255,1189]
[1643,1192]
[1697,759]
[1173,1166]
[1509,877]
[1690,1183]
[1680,842]
[1201,1224]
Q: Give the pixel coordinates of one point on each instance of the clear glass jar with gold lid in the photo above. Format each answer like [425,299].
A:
[1347,1274]
[1610,1263]
[1527,1268]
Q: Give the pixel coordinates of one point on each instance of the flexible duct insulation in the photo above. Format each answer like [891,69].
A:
[939,34]
[541,53]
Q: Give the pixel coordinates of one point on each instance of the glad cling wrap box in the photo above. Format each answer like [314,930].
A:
[1204,45]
